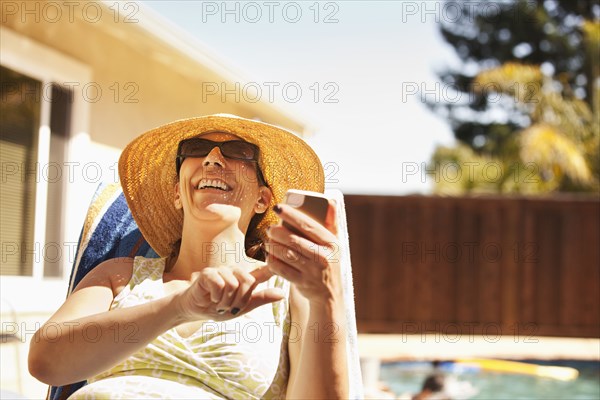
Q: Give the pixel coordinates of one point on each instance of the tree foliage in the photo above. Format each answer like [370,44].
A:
[531,73]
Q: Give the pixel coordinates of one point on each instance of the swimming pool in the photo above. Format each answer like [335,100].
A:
[407,377]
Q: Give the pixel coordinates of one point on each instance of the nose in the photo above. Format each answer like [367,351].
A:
[215,157]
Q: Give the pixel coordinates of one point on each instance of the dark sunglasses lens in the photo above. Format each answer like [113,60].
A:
[196,148]
[238,149]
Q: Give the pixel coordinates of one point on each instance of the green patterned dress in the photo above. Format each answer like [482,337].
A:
[243,358]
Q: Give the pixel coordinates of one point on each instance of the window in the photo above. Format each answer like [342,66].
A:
[20,109]
[21,100]
[19,125]
[43,128]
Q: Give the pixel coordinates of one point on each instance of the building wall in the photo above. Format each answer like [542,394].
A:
[157,84]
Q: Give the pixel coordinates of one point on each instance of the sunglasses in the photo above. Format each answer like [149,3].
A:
[232,149]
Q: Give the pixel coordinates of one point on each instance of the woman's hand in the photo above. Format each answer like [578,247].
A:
[225,292]
[310,260]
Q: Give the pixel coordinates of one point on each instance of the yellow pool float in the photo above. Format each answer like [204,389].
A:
[516,367]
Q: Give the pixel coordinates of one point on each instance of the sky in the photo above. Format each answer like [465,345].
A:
[349,69]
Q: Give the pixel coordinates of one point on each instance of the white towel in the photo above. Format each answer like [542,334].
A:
[355,377]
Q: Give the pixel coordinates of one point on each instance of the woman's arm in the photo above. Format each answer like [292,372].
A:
[318,360]
[83,338]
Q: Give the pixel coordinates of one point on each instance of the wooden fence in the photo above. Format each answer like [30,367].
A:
[490,265]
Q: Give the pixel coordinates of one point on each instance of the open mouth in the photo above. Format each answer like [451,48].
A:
[213,184]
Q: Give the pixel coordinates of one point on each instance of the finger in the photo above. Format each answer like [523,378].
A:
[263,297]
[331,218]
[199,297]
[307,226]
[296,250]
[229,290]
[281,238]
[261,274]
[213,283]
[284,269]
[247,284]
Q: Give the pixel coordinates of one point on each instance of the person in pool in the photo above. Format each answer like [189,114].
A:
[433,388]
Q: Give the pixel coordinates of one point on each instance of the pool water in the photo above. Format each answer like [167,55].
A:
[407,377]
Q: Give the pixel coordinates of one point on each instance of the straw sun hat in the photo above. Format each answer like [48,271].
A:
[148,175]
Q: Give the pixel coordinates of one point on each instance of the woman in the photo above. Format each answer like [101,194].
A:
[209,319]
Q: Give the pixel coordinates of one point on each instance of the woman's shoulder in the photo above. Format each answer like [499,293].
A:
[113,273]
[117,270]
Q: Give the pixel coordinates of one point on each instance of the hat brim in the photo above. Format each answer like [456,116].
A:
[148,176]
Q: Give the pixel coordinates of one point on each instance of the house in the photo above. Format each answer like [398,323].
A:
[79,80]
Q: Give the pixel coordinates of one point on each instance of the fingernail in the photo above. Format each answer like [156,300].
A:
[277,209]
[235,310]
[221,311]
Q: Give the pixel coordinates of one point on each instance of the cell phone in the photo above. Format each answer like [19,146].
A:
[313,204]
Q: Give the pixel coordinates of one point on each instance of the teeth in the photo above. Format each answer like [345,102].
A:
[212,183]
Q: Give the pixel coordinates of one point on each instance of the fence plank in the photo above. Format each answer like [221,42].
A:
[490,253]
[467,285]
[511,234]
[527,254]
[548,236]
[444,272]
[400,279]
[571,273]
[590,290]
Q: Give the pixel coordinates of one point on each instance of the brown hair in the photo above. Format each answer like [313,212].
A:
[255,241]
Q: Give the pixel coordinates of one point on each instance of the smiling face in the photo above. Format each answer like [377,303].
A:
[219,188]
